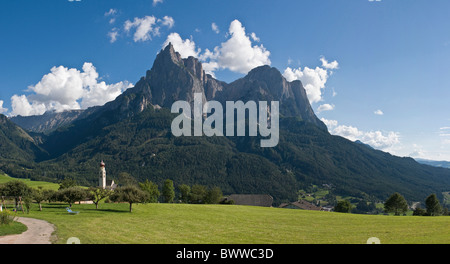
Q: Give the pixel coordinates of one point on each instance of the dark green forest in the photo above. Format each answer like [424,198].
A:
[144,147]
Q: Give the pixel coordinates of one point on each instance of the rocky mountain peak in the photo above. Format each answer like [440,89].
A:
[195,67]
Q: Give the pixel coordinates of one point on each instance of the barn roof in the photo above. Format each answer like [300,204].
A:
[251,199]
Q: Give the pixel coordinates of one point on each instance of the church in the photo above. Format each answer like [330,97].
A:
[103,183]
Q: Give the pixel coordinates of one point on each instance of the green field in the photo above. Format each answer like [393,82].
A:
[230,224]
[233,224]
[46,185]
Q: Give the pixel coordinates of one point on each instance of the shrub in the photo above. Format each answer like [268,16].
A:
[6,218]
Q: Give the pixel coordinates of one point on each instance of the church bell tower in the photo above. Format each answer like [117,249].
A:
[102,176]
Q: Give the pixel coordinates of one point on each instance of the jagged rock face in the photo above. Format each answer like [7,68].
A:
[265,83]
[47,122]
[173,78]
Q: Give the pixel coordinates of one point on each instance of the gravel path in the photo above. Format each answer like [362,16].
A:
[39,232]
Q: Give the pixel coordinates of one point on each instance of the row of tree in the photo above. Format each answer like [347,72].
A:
[398,205]
[131,192]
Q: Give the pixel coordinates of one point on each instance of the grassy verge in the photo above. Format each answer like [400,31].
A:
[12,228]
[232,224]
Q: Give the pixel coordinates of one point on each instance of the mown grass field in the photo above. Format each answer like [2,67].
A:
[230,224]
[233,224]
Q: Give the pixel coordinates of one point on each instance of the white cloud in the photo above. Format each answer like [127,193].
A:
[444,134]
[254,37]
[289,62]
[113,35]
[167,21]
[215,28]
[66,89]
[21,106]
[2,109]
[144,28]
[313,80]
[155,2]
[386,141]
[329,65]
[329,123]
[378,112]
[380,140]
[237,53]
[417,152]
[111,12]
[185,47]
[334,92]
[325,107]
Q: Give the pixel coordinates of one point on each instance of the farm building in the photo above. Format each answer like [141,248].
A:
[251,199]
[301,204]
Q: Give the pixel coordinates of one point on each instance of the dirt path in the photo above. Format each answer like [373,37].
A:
[39,232]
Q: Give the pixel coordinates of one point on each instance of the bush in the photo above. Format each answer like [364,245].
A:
[6,218]
[343,206]
[420,212]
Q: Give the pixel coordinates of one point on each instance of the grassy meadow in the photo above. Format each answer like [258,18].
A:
[160,223]
[35,184]
[233,224]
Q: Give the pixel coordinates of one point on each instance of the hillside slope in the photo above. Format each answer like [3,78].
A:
[132,134]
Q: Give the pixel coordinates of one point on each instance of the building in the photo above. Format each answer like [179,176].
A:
[301,204]
[102,182]
[251,199]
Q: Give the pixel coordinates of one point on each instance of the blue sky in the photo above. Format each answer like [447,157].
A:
[376,71]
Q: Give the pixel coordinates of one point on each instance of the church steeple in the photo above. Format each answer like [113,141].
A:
[102,176]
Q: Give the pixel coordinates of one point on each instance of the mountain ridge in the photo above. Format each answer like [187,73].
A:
[132,134]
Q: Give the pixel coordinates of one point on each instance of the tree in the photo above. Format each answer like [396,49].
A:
[364,207]
[419,212]
[445,211]
[125,179]
[198,194]
[51,195]
[72,194]
[185,193]
[67,183]
[130,194]
[168,191]
[343,206]
[433,206]
[151,189]
[39,196]
[396,204]
[16,189]
[213,195]
[96,194]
